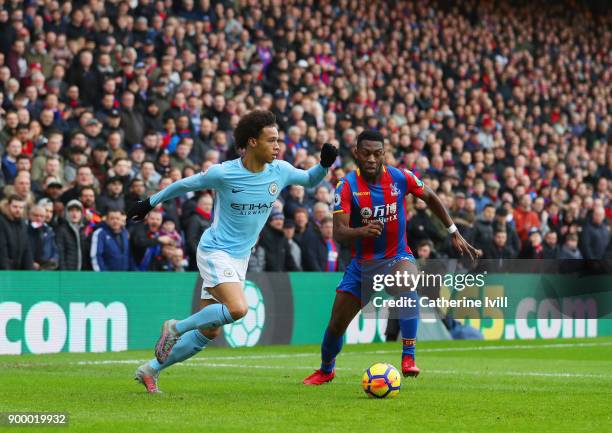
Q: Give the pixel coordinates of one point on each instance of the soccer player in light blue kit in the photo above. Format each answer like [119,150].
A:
[246,189]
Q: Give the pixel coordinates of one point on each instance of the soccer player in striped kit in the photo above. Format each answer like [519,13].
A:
[370,215]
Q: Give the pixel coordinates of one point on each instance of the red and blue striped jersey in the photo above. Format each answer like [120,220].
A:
[382,201]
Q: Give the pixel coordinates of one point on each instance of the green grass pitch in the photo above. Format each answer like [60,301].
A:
[465,386]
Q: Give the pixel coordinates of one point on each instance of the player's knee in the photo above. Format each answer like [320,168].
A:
[210,333]
[238,310]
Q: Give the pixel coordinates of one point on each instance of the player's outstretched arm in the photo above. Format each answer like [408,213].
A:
[345,234]
[314,175]
[459,243]
[205,180]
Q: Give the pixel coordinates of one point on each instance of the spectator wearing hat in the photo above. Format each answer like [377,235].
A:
[162,163]
[276,245]
[113,124]
[51,188]
[112,197]
[71,238]
[42,240]
[76,158]
[15,249]
[137,157]
[93,132]
[152,116]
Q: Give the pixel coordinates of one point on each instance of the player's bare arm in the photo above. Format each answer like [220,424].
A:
[459,243]
[346,235]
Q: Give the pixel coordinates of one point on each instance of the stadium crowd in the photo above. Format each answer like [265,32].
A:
[504,110]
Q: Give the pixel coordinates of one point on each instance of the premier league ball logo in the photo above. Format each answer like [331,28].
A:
[337,199]
[247,331]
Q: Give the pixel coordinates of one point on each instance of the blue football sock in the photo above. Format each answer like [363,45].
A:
[211,316]
[331,346]
[188,345]
[409,324]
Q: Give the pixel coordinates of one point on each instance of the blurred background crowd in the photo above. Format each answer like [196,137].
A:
[503,108]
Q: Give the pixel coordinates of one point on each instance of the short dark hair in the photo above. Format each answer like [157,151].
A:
[114,210]
[370,135]
[251,125]
[15,197]
[87,187]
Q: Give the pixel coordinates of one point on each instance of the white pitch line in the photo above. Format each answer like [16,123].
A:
[205,363]
[432,350]
[349,353]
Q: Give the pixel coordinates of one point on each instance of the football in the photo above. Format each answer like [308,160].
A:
[381,380]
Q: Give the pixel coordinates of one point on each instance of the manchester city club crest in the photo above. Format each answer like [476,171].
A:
[228,272]
[273,188]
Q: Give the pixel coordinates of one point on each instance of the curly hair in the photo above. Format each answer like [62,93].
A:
[251,125]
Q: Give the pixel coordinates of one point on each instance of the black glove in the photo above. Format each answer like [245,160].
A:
[328,155]
[139,210]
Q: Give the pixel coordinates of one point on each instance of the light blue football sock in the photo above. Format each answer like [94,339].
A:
[188,345]
[211,316]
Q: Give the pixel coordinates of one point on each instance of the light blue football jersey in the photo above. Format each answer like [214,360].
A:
[243,200]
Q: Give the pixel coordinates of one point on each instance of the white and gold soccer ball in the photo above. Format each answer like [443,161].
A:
[381,380]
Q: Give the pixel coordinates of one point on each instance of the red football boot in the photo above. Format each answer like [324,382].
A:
[409,367]
[319,377]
